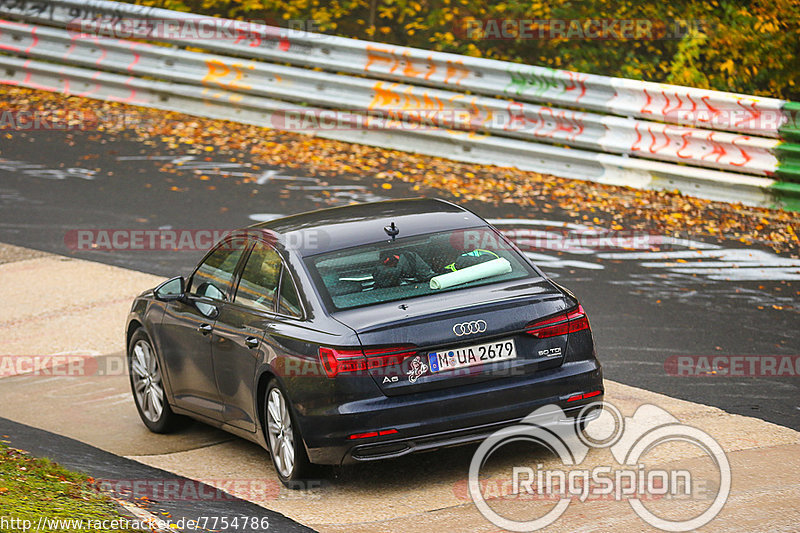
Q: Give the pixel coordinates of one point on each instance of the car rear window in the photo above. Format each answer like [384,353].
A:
[415,266]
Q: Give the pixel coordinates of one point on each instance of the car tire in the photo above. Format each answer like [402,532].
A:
[284,441]
[147,385]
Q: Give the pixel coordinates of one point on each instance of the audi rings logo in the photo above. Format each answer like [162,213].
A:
[469,328]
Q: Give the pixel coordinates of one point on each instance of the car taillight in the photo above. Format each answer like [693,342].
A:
[561,324]
[578,320]
[369,434]
[585,396]
[337,361]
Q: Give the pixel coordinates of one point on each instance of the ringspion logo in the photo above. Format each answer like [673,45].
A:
[629,440]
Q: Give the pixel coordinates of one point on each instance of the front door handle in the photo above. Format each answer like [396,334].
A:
[205,329]
[251,342]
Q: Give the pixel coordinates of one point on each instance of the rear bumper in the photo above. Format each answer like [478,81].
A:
[425,421]
[389,449]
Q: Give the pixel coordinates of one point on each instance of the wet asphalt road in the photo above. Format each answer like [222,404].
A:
[647,309]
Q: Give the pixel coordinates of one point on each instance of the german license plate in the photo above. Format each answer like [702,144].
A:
[478,354]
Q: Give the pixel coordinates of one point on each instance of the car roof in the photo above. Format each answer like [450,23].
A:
[336,228]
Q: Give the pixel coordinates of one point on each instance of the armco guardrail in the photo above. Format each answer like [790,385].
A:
[484,122]
[447,109]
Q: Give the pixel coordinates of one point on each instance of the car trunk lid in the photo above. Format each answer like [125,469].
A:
[461,337]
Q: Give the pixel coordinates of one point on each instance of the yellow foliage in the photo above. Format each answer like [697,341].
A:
[746,46]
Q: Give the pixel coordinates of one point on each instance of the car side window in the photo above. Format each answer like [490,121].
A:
[214,275]
[259,284]
[289,302]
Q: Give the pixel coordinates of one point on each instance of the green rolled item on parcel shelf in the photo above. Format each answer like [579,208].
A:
[495,267]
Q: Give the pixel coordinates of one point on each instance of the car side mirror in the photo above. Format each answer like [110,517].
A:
[170,290]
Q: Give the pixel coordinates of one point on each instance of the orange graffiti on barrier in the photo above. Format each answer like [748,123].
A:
[754,114]
[217,71]
[689,142]
[455,69]
[568,122]
[377,55]
[391,97]
[222,95]
[409,69]
[681,107]
[577,82]
[400,102]
[382,58]
[721,152]
[479,115]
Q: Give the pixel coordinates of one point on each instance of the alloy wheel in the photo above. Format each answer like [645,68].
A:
[147,385]
[281,435]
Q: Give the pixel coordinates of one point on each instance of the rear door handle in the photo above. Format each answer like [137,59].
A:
[205,329]
[251,342]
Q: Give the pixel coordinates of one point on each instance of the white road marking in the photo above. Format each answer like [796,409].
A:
[40,171]
[272,175]
[146,158]
[326,187]
[733,254]
[711,261]
[547,261]
[107,400]
[745,274]
[264,217]
[788,263]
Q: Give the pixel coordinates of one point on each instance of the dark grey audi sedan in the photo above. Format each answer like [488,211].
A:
[360,333]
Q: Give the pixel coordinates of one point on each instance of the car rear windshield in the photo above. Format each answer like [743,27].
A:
[415,266]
